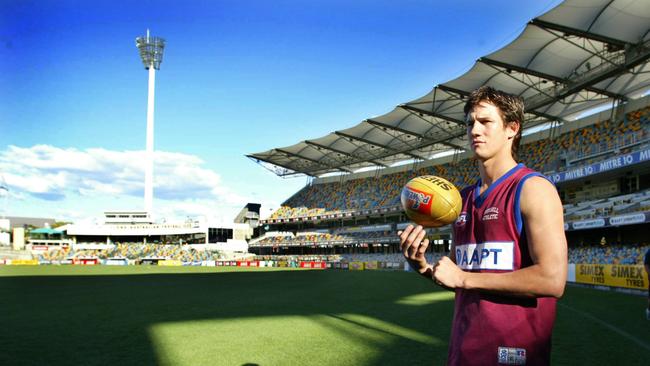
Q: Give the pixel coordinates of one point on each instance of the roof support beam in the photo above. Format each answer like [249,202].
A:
[400,130]
[432,114]
[545,116]
[465,94]
[277,169]
[319,146]
[328,166]
[461,93]
[521,69]
[546,76]
[347,136]
[634,57]
[394,128]
[578,32]
[343,134]
[455,146]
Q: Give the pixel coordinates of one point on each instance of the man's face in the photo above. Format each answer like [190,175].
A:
[487,134]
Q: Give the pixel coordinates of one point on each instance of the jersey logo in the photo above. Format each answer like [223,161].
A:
[511,356]
[491,213]
[489,255]
[462,219]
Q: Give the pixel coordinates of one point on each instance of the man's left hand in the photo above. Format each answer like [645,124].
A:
[446,273]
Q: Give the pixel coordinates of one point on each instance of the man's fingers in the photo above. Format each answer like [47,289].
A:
[414,242]
[403,238]
[414,234]
[420,243]
[423,247]
[403,235]
[405,249]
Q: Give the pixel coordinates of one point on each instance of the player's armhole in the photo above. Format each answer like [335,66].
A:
[452,248]
[519,222]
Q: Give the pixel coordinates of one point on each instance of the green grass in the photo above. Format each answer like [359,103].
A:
[51,315]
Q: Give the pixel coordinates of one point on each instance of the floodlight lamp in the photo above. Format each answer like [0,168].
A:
[151,50]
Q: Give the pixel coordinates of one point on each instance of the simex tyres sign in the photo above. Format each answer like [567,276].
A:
[615,275]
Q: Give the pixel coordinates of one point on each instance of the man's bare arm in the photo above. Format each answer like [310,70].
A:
[541,210]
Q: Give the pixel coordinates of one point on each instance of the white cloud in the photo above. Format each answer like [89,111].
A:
[183,186]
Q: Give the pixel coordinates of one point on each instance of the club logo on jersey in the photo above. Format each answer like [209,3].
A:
[491,213]
[462,219]
[511,356]
[489,255]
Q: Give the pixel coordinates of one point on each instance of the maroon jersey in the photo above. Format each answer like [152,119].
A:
[491,329]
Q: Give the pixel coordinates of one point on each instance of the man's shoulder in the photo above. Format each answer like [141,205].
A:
[536,184]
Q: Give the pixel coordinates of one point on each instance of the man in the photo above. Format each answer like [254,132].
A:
[508,261]
[646,263]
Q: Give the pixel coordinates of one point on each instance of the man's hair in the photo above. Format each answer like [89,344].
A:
[511,108]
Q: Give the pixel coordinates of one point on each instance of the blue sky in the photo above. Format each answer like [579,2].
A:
[237,77]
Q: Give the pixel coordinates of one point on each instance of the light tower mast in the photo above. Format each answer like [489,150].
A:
[151,53]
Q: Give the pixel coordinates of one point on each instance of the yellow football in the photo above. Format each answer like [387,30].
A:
[431,201]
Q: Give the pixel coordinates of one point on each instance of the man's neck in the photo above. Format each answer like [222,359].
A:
[493,169]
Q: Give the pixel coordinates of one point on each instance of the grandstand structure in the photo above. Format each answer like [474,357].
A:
[129,237]
[583,72]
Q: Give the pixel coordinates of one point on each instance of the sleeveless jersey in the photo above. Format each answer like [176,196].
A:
[492,329]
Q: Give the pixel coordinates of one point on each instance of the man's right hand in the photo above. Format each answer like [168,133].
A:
[413,246]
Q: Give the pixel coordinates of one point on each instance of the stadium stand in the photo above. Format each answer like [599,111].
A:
[352,200]
[623,254]
[617,205]
[337,237]
[585,145]
[132,251]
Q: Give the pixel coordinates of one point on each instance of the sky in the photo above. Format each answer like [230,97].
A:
[237,77]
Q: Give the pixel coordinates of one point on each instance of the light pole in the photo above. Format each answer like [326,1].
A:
[151,52]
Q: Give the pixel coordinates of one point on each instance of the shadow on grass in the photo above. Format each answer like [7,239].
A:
[63,320]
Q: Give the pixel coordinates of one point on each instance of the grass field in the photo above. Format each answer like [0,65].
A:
[51,315]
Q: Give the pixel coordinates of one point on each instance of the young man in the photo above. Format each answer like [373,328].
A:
[508,261]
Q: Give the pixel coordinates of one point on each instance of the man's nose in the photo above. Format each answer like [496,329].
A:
[475,129]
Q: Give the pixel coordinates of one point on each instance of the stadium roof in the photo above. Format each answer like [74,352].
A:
[46,230]
[577,56]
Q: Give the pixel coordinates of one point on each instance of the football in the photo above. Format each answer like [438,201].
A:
[431,201]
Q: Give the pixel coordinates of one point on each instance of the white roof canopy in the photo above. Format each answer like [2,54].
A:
[577,56]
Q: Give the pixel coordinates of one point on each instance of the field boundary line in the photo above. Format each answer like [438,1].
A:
[609,326]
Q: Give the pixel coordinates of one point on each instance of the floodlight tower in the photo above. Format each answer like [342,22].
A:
[151,53]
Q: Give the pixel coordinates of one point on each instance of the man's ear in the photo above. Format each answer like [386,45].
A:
[512,129]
